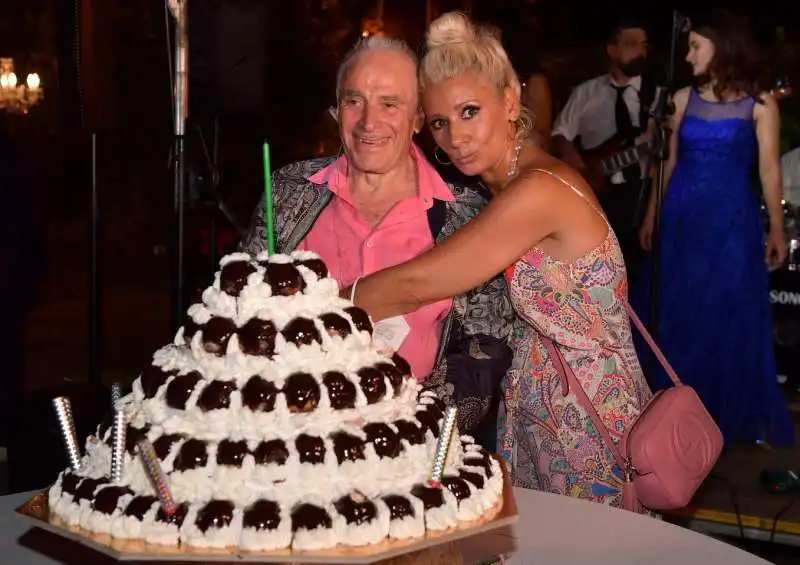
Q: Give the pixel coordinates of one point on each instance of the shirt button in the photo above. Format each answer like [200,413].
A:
[369,244]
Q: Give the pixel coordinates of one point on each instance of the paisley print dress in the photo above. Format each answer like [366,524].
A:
[547,438]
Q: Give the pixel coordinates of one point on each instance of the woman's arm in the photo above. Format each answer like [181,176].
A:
[767,120]
[525,213]
[680,100]
[538,98]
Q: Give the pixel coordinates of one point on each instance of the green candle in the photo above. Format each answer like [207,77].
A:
[268,214]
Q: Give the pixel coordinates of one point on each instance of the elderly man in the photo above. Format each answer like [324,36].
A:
[382,203]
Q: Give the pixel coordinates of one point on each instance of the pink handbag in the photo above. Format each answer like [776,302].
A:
[671,447]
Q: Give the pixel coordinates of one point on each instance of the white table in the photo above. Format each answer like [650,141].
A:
[552,530]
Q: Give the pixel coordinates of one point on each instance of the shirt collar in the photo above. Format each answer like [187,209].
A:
[431,184]
[635,82]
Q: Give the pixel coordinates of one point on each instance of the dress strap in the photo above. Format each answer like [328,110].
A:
[692,103]
[576,190]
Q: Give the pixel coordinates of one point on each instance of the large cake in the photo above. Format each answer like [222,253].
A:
[277,424]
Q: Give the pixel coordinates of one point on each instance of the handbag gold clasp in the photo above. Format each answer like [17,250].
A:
[630,472]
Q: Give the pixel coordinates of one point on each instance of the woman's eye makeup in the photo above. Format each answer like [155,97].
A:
[469,112]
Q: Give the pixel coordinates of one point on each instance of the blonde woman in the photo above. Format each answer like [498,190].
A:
[563,264]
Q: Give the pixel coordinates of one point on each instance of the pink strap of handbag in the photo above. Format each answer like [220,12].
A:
[669,449]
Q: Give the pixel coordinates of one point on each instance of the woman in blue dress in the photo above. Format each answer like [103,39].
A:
[714,319]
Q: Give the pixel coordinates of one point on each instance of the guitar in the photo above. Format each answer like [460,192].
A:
[612,156]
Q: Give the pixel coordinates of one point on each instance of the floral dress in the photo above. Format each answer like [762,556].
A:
[546,437]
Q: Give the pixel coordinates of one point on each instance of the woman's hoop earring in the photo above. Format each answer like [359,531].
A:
[439,159]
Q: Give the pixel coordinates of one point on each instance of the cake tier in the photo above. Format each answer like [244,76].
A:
[269,397]
[270,519]
[367,456]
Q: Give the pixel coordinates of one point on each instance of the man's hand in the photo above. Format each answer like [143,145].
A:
[565,150]
[646,233]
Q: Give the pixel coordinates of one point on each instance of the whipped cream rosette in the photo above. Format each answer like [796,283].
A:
[277,424]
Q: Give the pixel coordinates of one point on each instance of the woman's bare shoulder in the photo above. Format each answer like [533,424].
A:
[547,186]
[554,175]
[681,99]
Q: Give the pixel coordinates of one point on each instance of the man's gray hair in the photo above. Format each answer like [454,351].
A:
[372,43]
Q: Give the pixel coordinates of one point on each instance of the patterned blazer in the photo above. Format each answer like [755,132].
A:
[474,351]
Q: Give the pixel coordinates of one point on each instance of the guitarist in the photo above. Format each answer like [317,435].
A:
[613,107]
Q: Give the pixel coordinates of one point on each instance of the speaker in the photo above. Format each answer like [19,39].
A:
[228,58]
[784,295]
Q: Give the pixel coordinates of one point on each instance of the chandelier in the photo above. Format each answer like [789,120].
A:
[18,98]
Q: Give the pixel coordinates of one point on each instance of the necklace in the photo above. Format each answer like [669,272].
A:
[512,172]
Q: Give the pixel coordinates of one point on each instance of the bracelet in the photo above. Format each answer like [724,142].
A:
[353,289]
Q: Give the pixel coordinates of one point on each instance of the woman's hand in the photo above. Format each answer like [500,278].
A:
[646,232]
[775,253]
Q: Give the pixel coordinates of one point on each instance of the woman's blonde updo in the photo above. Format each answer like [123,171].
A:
[457,46]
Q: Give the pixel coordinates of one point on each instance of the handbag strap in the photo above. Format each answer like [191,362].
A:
[570,380]
[673,376]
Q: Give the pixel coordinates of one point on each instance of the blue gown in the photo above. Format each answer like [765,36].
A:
[714,314]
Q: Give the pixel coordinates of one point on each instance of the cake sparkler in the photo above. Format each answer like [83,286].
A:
[116,394]
[150,460]
[442,448]
[67,426]
[118,445]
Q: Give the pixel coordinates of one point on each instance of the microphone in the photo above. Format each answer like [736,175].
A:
[681,23]
[661,106]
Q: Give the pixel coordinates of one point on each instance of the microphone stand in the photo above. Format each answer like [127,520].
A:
[661,112]
[180,112]
[204,194]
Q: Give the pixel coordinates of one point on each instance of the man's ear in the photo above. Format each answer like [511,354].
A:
[419,121]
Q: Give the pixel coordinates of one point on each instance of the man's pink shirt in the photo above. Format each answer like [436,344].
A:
[351,248]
